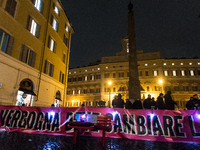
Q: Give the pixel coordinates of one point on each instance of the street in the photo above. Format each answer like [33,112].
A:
[24,141]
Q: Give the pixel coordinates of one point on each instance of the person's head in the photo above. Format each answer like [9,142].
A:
[168,92]
[115,97]
[149,95]
[195,96]
[161,95]
[127,100]
[119,96]
[52,105]
[153,98]
[138,99]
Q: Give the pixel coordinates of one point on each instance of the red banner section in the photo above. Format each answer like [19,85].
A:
[156,125]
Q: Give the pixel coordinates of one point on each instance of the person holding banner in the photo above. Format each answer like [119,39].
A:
[149,102]
[137,104]
[160,103]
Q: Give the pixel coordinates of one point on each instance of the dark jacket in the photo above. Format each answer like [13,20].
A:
[189,104]
[160,103]
[137,104]
[119,103]
[148,103]
[169,103]
[128,105]
[195,101]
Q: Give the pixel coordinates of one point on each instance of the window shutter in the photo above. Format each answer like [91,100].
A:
[42,7]
[60,76]
[63,79]
[24,53]
[53,5]
[49,39]
[33,56]
[54,47]
[51,70]
[10,45]
[46,67]
[37,31]
[29,23]
[57,27]
[33,1]
[51,21]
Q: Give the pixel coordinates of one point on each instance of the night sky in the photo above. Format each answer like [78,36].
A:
[169,26]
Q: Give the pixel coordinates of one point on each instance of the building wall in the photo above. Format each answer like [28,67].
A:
[13,71]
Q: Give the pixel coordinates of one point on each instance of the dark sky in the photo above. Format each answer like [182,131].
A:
[169,26]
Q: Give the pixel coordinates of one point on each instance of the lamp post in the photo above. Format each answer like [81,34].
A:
[109,83]
[160,82]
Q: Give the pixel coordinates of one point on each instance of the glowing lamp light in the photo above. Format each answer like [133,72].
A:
[109,82]
[198,116]
[114,113]
[160,81]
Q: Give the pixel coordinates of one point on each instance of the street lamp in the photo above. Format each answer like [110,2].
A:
[109,83]
[160,82]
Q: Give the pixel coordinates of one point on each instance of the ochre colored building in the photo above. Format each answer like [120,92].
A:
[102,80]
[35,37]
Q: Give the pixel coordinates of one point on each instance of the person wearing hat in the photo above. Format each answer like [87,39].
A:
[119,102]
[160,103]
[196,102]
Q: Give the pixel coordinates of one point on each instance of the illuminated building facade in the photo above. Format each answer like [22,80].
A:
[35,37]
[91,84]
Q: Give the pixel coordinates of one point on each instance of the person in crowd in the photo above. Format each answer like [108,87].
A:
[83,104]
[160,103]
[52,105]
[128,104]
[196,102]
[149,102]
[189,104]
[114,101]
[169,103]
[119,102]
[137,104]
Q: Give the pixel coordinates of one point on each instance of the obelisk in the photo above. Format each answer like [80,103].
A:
[134,82]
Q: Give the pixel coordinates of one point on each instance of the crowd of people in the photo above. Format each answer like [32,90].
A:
[162,102]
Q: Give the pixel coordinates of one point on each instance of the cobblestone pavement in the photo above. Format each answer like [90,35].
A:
[23,141]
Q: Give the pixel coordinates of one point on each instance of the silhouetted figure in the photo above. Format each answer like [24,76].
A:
[114,101]
[190,104]
[149,102]
[160,103]
[137,104]
[169,103]
[128,104]
[196,102]
[52,105]
[119,102]
[83,104]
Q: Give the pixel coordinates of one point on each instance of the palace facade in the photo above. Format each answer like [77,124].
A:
[35,37]
[102,80]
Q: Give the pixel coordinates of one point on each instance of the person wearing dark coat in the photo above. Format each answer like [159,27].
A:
[114,101]
[149,102]
[189,104]
[137,104]
[128,104]
[160,103]
[169,103]
[196,102]
[119,102]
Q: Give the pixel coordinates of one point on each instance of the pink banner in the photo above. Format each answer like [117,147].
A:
[156,125]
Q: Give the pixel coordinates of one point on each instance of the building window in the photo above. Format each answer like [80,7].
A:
[156,88]
[182,72]
[146,73]
[66,41]
[90,103]
[97,90]
[92,77]
[164,64]
[140,73]
[148,89]
[68,92]
[69,79]
[121,74]
[55,9]
[185,88]
[98,76]
[54,23]
[66,28]
[11,6]
[190,63]
[28,56]
[146,64]
[79,91]
[85,78]
[51,44]
[174,73]
[194,88]
[114,89]
[181,64]
[6,42]
[98,69]
[106,75]
[172,64]
[33,27]
[38,5]
[122,88]
[155,73]
[176,88]
[49,68]
[127,74]
[91,90]
[85,91]
[113,75]
[165,73]
[74,79]
[192,73]
[79,78]
[198,72]
[127,47]
[73,92]
[62,77]
[64,57]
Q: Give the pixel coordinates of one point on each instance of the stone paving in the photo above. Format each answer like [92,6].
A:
[24,141]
